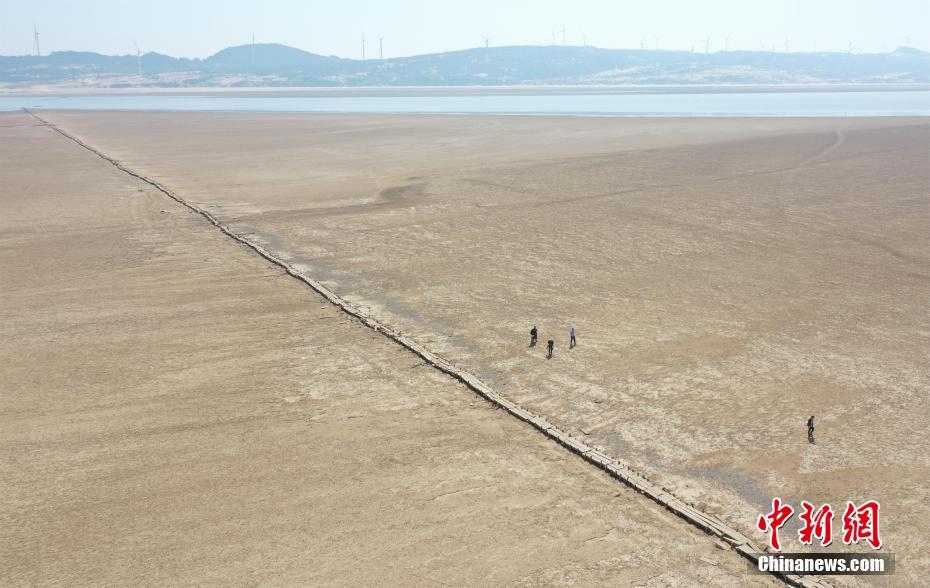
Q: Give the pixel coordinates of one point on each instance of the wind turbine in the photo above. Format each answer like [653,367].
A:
[707,45]
[563,35]
[642,43]
[380,48]
[726,43]
[363,47]
[35,39]
[657,42]
[787,44]
[138,56]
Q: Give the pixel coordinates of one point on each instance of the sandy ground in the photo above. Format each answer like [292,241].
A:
[176,411]
[727,277]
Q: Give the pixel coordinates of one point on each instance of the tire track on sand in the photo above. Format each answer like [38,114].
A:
[615,468]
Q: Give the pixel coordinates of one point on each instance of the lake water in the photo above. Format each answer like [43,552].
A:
[803,103]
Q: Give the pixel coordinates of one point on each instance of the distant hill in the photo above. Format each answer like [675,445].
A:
[280,65]
[270,57]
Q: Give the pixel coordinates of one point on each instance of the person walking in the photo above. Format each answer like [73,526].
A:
[810,430]
[549,346]
[572,341]
[534,335]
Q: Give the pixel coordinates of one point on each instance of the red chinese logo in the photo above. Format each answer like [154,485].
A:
[774,520]
[861,523]
[816,524]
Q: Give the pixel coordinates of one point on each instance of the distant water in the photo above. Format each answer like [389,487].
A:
[804,103]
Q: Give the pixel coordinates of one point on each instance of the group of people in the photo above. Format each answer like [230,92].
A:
[550,344]
[572,342]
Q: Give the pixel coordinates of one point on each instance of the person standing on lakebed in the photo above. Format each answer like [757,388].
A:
[534,335]
[572,342]
[810,430]
[549,346]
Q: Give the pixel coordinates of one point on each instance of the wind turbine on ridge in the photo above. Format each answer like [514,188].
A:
[138,56]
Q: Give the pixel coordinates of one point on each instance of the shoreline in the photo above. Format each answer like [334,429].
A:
[415,91]
[867,102]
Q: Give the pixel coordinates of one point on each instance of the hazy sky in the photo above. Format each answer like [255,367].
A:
[198,28]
